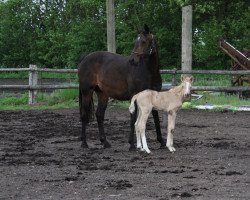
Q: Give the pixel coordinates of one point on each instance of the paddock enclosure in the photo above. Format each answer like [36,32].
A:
[41,157]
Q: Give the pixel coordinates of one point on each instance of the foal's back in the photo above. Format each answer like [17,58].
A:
[165,100]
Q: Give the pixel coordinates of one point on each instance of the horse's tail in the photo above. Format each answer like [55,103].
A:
[86,105]
[132,104]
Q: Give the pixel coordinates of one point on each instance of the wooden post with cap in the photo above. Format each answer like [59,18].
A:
[33,76]
[110,26]
[186,55]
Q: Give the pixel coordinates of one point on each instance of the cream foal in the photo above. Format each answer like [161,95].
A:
[168,101]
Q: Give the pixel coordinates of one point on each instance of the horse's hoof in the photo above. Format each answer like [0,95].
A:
[163,146]
[132,148]
[106,144]
[84,146]
[163,143]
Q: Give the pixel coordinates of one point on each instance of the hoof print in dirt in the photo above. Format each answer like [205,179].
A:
[135,159]
[177,171]
[71,178]
[182,195]
[119,185]
[189,177]
[228,173]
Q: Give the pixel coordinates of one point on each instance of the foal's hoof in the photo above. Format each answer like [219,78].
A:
[106,144]
[84,146]
[172,149]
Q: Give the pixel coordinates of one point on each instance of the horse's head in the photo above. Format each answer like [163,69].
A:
[145,56]
[145,44]
[186,84]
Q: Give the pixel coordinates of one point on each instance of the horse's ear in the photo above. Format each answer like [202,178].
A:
[146,29]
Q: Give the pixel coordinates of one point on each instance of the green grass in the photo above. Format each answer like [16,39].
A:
[220,99]
[68,98]
[202,79]
[57,100]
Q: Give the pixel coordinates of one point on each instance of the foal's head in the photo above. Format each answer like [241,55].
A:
[145,44]
[186,84]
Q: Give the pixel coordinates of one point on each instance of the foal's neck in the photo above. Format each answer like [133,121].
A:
[179,91]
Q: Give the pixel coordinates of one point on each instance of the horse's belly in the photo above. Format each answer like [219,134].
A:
[114,89]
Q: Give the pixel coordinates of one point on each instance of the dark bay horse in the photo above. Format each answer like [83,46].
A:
[112,75]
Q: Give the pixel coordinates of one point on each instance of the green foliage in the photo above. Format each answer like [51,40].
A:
[56,33]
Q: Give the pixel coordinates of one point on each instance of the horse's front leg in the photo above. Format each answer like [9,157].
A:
[171,126]
[100,112]
[158,128]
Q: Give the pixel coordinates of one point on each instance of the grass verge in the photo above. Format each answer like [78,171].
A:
[69,99]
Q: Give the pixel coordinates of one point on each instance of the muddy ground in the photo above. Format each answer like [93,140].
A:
[41,158]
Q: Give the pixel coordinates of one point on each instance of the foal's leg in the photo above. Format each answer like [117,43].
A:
[138,135]
[158,128]
[142,127]
[100,112]
[171,126]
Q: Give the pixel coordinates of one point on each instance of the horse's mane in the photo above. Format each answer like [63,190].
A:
[82,56]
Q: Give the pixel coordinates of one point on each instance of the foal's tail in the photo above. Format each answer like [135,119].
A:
[132,104]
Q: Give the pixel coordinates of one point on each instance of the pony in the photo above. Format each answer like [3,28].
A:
[168,101]
[119,77]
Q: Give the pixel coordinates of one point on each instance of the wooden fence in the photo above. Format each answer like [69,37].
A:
[33,80]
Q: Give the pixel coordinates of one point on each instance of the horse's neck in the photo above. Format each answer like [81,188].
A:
[152,65]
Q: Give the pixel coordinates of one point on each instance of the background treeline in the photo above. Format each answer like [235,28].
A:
[55,33]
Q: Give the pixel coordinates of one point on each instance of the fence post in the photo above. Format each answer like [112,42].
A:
[186,52]
[32,82]
[110,10]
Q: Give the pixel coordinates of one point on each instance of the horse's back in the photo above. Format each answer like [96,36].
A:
[105,71]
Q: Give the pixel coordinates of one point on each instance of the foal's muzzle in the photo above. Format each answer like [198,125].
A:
[187,96]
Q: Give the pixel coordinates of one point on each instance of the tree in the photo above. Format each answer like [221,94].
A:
[55,33]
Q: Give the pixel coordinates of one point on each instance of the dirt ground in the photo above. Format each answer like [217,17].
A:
[41,158]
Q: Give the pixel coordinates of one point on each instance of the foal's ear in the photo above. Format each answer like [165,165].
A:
[191,79]
[182,77]
[187,76]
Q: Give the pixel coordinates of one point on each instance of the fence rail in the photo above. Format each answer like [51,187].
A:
[33,86]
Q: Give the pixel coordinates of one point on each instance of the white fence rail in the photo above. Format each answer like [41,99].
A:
[33,86]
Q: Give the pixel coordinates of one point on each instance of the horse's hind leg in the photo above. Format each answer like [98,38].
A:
[158,128]
[132,129]
[86,108]
[100,112]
